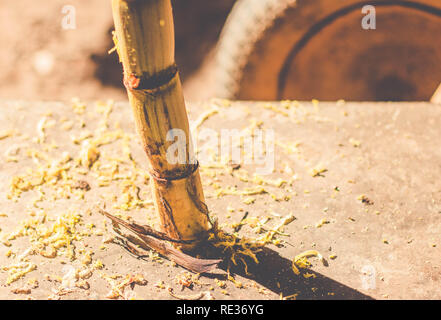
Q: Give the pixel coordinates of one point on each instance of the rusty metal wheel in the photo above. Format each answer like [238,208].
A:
[304,49]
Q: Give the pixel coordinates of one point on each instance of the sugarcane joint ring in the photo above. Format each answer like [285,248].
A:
[192,168]
[151,83]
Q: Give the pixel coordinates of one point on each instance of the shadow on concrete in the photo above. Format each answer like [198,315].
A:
[274,272]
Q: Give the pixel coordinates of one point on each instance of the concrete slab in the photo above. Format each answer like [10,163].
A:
[362,180]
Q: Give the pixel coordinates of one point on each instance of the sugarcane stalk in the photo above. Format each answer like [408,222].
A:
[144,38]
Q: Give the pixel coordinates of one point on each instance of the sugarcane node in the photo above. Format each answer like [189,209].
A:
[172,176]
[151,83]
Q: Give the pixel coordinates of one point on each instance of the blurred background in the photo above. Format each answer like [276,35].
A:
[268,50]
[41,60]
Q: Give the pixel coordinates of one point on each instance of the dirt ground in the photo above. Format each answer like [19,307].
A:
[42,60]
[361,180]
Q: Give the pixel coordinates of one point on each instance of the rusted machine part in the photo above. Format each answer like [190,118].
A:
[318,49]
[245,26]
